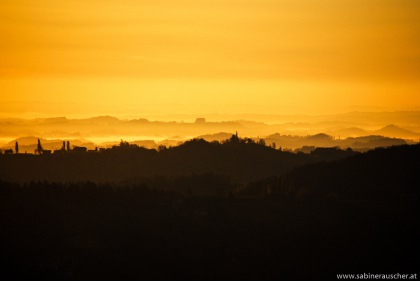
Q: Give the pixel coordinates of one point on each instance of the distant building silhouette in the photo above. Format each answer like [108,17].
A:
[200,120]
[234,138]
[79,149]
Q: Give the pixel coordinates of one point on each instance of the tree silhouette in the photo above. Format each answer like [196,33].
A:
[39,148]
[17,147]
[162,147]
[68,145]
[124,143]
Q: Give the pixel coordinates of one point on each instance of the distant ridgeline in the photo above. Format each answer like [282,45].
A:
[295,143]
[241,165]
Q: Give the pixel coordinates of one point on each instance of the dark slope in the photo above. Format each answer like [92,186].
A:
[385,173]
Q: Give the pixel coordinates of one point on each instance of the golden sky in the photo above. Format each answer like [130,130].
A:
[137,57]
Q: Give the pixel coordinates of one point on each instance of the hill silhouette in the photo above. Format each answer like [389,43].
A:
[350,132]
[395,131]
[240,159]
[341,126]
[104,119]
[380,174]
[362,143]
[239,210]
[222,136]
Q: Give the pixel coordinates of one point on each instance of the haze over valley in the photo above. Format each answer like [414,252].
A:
[357,130]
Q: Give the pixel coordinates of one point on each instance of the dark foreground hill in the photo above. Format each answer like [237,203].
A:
[99,232]
[357,215]
[381,174]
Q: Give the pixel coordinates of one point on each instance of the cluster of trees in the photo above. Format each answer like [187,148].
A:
[10,151]
[39,148]
[65,148]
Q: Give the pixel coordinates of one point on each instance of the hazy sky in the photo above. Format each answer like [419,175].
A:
[138,57]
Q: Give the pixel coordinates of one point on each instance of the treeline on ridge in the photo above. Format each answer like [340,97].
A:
[242,160]
[390,174]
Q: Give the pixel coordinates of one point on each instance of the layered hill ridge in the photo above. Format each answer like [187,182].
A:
[405,125]
[284,142]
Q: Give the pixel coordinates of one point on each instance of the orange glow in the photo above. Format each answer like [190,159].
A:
[84,58]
